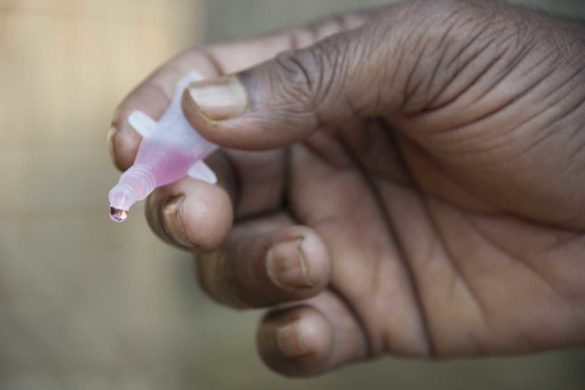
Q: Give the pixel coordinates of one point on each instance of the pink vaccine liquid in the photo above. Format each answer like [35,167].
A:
[170,150]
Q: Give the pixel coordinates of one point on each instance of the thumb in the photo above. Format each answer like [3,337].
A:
[285,99]
[392,65]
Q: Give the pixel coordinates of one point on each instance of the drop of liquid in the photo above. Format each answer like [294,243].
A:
[118,215]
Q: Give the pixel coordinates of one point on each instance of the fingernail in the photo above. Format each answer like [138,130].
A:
[289,340]
[172,224]
[219,99]
[287,265]
[110,140]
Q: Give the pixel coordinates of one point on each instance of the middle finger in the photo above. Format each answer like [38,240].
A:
[264,262]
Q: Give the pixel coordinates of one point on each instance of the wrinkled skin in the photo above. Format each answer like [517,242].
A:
[418,172]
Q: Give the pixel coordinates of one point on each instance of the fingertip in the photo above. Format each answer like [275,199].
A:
[150,97]
[234,112]
[122,145]
[122,139]
[209,113]
[217,99]
[205,217]
[295,342]
[190,214]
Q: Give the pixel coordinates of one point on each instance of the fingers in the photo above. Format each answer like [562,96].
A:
[190,214]
[152,97]
[415,57]
[283,100]
[275,103]
[311,338]
[154,94]
[264,263]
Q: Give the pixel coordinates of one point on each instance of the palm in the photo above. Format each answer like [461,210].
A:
[427,275]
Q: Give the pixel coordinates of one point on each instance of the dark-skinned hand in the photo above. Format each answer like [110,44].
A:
[405,180]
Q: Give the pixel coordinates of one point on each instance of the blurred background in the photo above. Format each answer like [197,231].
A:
[88,304]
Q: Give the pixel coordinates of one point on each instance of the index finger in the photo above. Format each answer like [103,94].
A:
[154,94]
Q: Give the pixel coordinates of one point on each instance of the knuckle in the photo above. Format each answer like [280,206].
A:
[295,77]
[451,39]
[216,280]
[306,76]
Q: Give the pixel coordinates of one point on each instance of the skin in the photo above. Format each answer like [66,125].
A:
[406,180]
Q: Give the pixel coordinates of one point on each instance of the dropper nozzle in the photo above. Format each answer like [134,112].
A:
[118,215]
[135,184]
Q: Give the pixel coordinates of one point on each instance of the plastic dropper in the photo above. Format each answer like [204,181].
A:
[170,150]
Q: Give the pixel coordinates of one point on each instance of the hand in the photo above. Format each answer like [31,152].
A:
[416,187]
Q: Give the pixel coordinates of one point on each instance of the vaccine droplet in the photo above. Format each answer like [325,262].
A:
[118,215]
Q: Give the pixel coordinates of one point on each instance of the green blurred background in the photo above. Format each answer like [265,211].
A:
[86,304]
